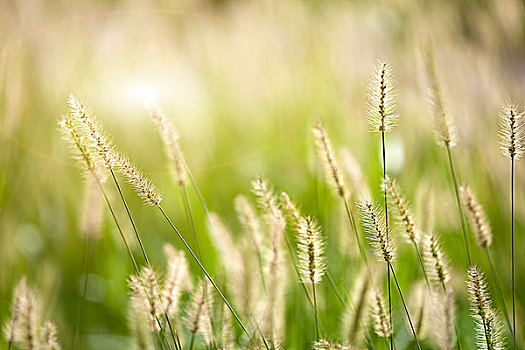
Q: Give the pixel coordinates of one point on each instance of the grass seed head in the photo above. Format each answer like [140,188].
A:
[373,223]
[333,174]
[443,124]
[476,217]
[511,133]
[488,322]
[382,99]
[381,321]
[170,139]
[310,250]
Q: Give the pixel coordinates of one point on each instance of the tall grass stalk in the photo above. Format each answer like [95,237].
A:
[512,142]
[382,119]
[389,265]
[454,177]
[405,307]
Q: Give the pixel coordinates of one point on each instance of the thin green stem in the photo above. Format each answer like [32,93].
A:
[190,218]
[512,251]
[128,249]
[383,147]
[334,287]
[421,263]
[453,174]
[192,340]
[143,250]
[315,313]
[405,307]
[498,289]
[354,228]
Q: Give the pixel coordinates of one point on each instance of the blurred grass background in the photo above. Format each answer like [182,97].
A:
[244,82]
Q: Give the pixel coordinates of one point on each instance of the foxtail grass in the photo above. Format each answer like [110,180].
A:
[481,229]
[512,141]
[334,176]
[486,318]
[382,244]
[382,118]
[445,134]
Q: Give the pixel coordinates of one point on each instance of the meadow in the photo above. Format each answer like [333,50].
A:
[216,174]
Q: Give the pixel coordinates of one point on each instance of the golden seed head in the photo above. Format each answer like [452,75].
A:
[197,317]
[89,128]
[49,336]
[436,263]
[170,139]
[144,290]
[487,319]
[138,181]
[177,279]
[512,137]
[373,222]
[326,155]
[476,217]
[404,215]
[443,124]
[310,250]
[382,99]
[80,149]
[292,211]
[382,326]
[443,318]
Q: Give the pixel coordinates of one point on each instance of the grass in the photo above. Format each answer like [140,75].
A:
[244,102]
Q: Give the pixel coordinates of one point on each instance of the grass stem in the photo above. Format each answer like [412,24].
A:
[453,174]
[405,307]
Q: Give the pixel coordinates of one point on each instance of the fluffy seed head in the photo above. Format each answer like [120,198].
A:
[354,173]
[324,344]
[177,279]
[228,333]
[382,326]
[374,226]
[310,250]
[89,128]
[170,139]
[79,148]
[488,323]
[268,201]
[326,155]
[197,318]
[49,337]
[443,318]
[512,137]
[138,181]
[476,217]
[249,220]
[139,325]
[418,308]
[19,294]
[404,215]
[435,262]
[292,211]
[144,290]
[443,125]
[27,328]
[354,320]
[222,240]
[382,99]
